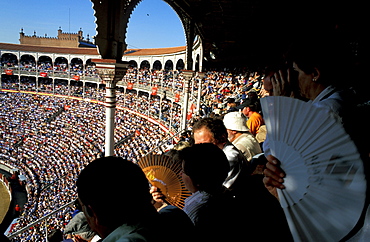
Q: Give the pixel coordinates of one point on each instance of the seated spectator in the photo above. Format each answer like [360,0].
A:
[231,105]
[55,235]
[261,135]
[239,135]
[78,229]
[213,130]
[253,96]
[205,167]
[255,120]
[251,197]
[114,196]
[202,176]
[174,220]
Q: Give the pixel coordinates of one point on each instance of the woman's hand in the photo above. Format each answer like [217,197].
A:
[273,176]
[158,197]
[285,83]
[281,83]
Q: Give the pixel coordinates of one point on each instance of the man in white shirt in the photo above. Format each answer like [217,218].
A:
[239,135]
[212,130]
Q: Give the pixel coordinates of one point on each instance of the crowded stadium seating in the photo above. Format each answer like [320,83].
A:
[60,127]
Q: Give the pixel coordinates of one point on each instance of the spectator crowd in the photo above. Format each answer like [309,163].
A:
[52,138]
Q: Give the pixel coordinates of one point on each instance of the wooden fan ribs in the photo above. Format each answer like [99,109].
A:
[164,173]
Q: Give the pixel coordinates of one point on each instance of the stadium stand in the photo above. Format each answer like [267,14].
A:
[54,150]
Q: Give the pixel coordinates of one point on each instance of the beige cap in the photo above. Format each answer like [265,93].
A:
[235,121]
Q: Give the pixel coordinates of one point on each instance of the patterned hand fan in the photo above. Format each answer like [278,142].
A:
[164,173]
[325,181]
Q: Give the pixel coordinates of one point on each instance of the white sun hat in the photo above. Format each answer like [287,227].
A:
[235,121]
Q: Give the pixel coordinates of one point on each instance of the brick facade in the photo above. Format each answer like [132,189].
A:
[62,40]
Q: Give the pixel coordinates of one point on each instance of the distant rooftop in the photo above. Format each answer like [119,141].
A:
[154,51]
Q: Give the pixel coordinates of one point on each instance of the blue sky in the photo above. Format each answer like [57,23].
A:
[153,23]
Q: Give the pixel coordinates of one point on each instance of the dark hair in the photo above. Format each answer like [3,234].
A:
[251,104]
[328,53]
[55,235]
[206,165]
[230,100]
[216,127]
[116,189]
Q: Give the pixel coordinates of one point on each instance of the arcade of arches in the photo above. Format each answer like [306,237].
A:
[12,57]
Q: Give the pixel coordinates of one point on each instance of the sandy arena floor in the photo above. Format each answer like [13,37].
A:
[4,201]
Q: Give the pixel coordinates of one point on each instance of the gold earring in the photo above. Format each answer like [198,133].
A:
[314,79]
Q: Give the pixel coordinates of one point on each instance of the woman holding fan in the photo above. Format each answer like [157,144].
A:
[314,72]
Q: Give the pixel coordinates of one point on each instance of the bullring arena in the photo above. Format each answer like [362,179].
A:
[52,99]
[52,126]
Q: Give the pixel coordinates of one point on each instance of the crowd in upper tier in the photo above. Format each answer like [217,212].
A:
[53,144]
[62,135]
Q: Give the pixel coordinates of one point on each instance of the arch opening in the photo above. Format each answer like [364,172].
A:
[145,16]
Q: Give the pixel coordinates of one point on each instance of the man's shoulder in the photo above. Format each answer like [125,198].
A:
[129,233]
[232,152]
[246,136]
[256,115]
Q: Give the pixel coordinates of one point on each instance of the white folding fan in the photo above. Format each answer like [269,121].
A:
[325,181]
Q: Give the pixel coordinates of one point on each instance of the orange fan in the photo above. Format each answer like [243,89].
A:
[164,173]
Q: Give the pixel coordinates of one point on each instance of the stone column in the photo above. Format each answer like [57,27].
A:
[188,75]
[110,71]
[200,76]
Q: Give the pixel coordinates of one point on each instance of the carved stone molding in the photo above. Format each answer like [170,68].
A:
[110,71]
